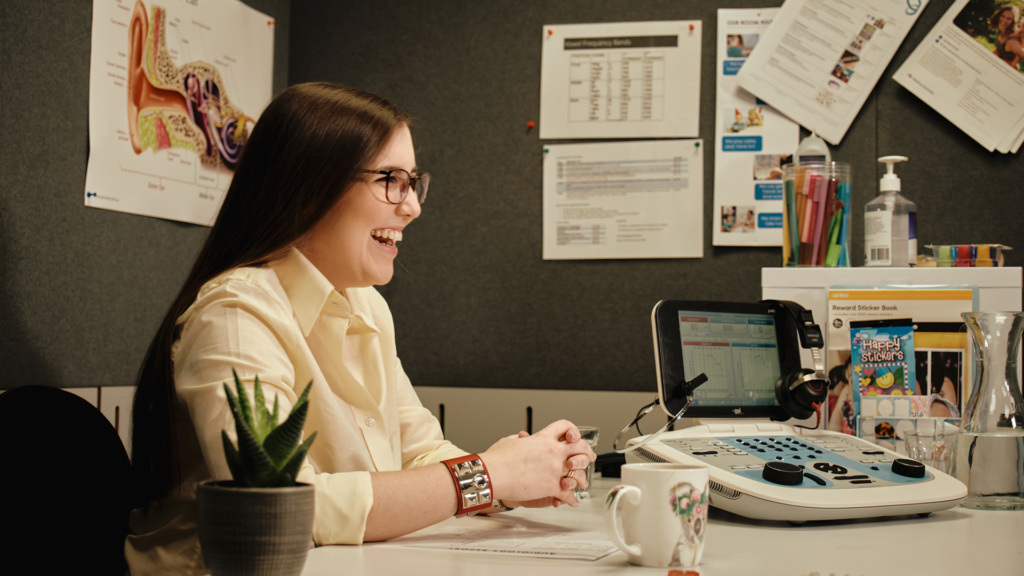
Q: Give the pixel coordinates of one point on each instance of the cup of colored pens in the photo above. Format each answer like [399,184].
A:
[816,214]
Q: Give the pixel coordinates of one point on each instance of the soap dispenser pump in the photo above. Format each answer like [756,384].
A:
[890,222]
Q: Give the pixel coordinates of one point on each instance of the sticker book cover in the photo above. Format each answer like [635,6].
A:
[882,359]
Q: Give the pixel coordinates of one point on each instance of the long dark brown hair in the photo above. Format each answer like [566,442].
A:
[304,152]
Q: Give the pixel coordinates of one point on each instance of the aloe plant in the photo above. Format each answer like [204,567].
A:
[269,454]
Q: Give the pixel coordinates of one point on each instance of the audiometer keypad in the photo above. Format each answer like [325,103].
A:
[833,461]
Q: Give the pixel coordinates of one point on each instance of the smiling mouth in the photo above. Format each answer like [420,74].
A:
[387,236]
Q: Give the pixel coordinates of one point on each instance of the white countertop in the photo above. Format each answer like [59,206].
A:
[951,542]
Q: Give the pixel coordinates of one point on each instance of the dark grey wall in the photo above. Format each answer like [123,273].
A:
[476,305]
[81,290]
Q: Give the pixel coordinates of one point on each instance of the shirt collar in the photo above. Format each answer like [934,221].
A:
[309,292]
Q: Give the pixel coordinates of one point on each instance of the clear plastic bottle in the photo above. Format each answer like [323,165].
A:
[890,223]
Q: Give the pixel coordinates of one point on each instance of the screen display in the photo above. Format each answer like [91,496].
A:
[738,351]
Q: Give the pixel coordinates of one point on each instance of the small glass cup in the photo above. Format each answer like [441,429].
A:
[590,435]
[932,447]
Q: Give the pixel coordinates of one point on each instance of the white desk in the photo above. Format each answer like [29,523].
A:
[952,542]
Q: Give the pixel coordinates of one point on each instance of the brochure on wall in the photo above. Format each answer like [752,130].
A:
[640,199]
[750,141]
[970,69]
[173,94]
[937,388]
[821,58]
[620,80]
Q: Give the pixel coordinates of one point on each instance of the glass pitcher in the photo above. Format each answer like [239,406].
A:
[989,455]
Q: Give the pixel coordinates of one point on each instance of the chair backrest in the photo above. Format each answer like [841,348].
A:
[64,485]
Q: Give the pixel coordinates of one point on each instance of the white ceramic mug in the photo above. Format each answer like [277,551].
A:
[664,513]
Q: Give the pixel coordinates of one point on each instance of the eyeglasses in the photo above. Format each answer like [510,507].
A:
[397,181]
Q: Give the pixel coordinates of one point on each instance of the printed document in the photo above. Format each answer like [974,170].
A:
[970,69]
[174,90]
[751,139]
[640,199]
[820,59]
[517,540]
[620,80]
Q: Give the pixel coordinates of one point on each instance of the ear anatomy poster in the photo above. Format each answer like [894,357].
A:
[174,90]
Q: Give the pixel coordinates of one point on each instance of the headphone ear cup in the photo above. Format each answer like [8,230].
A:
[798,393]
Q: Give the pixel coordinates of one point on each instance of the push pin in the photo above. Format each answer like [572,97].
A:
[530,125]
[691,27]
[550,32]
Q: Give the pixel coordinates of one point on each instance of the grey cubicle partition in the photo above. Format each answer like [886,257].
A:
[81,290]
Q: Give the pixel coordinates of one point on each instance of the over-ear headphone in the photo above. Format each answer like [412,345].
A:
[801,392]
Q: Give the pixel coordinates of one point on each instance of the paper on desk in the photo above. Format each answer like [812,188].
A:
[518,540]
[955,71]
[820,59]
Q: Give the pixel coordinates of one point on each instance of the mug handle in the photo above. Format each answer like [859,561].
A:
[611,509]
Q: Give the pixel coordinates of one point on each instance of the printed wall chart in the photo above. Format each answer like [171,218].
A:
[174,91]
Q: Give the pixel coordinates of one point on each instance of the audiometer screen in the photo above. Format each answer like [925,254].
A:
[737,351]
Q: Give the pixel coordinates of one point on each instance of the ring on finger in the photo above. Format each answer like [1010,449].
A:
[571,472]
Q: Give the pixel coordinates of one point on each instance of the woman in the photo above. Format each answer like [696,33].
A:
[283,289]
[1004,23]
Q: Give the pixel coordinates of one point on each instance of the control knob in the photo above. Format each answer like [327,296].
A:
[783,473]
[907,467]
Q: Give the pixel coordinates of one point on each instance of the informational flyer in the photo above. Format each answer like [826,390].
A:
[535,541]
[621,80]
[640,199]
[751,140]
[939,353]
[174,90]
[821,58]
[970,69]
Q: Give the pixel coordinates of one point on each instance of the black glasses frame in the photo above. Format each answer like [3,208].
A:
[419,183]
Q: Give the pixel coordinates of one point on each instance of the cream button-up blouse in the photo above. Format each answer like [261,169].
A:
[287,324]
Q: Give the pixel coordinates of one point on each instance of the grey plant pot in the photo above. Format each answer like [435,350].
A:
[255,531]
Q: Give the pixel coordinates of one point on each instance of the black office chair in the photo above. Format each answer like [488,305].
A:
[64,485]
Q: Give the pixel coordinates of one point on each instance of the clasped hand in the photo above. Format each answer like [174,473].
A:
[539,470]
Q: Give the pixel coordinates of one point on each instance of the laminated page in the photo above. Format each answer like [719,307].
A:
[620,80]
[969,70]
[174,90]
[639,199]
[751,141]
[821,59]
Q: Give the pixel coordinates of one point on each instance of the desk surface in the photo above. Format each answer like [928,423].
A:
[954,542]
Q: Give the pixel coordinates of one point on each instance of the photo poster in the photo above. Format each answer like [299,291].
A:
[633,199]
[820,60]
[751,140]
[174,90]
[620,80]
[940,350]
[970,69]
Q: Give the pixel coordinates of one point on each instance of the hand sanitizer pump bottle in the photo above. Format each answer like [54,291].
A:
[890,222]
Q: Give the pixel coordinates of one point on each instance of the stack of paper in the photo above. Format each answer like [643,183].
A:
[970,71]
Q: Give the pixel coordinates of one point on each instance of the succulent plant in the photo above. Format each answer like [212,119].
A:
[269,454]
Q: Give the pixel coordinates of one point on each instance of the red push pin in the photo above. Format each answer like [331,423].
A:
[691,27]
[530,125]
[550,32]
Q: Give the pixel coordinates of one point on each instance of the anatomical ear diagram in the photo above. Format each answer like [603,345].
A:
[183,107]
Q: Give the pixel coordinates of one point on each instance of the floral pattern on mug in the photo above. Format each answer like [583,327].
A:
[688,500]
[690,504]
